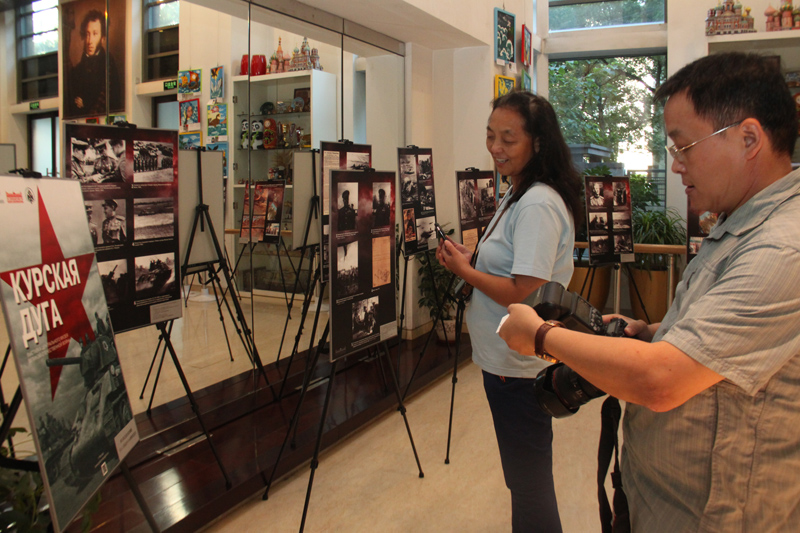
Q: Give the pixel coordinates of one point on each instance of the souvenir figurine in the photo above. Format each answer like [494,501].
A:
[256,135]
[245,135]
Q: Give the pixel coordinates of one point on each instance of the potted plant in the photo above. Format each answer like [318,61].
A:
[596,289]
[432,289]
[652,224]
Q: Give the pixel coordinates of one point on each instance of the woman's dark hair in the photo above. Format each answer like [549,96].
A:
[552,162]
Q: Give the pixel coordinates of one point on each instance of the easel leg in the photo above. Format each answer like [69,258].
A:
[459,323]
[400,406]
[126,473]
[195,408]
[294,420]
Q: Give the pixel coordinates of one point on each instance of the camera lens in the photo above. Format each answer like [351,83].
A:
[561,391]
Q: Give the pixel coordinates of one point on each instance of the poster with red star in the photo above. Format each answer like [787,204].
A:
[60,332]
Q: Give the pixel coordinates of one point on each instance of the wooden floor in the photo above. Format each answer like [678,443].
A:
[174,465]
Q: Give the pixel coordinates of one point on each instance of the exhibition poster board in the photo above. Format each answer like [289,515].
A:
[263,222]
[129,179]
[63,342]
[476,204]
[337,156]
[608,219]
[362,271]
[417,199]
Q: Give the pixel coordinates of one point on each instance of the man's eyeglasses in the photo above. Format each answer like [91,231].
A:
[677,153]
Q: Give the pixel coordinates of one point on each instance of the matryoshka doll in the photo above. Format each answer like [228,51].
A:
[270,133]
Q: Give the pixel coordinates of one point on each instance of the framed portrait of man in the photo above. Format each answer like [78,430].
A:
[94,57]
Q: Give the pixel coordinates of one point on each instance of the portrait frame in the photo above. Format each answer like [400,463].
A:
[76,84]
[527,37]
[503,85]
[504,36]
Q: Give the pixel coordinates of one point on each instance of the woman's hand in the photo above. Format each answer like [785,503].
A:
[519,329]
[454,257]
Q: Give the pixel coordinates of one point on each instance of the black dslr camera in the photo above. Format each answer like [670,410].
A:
[560,390]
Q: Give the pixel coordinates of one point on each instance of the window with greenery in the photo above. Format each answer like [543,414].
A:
[579,14]
[161,19]
[609,102]
[37,50]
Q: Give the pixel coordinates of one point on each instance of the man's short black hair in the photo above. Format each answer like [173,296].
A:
[732,86]
[91,16]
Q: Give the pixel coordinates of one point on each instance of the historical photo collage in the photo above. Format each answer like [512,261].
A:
[608,219]
[476,204]
[129,179]
[337,156]
[362,241]
[417,199]
[261,219]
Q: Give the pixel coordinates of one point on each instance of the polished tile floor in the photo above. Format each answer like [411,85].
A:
[369,481]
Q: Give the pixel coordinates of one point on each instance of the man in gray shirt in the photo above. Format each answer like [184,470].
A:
[711,430]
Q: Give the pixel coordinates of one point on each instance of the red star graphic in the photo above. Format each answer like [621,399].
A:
[68,300]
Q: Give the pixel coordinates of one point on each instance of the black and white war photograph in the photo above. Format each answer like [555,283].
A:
[358,160]
[426,198]
[408,178]
[598,222]
[425,230]
[595,196]
[365,323]
[153,218]
[487,204]
[623,244]
[381,204]
[99,160]
[466,199]
[621,220]
[117,283]
[107,221]
[155,275]
[347,269]
[152,162]
[425,167]
[621,193]
[347,206]
[599,244]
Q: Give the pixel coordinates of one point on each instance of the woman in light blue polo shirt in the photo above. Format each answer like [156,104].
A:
[528,242]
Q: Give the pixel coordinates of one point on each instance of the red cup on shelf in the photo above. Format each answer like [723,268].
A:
[245,65]
[259,65]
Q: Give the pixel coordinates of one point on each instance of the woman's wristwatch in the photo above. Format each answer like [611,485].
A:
[539,340]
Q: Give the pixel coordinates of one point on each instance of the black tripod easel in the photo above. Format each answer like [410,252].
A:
[11,463]
[212,268]
[382,351]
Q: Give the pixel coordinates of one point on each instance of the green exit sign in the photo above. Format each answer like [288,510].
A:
[170,85]
[34,106]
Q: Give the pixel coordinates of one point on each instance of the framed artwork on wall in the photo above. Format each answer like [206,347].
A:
[526,45]
[503,85]
[525,80]
[504,36]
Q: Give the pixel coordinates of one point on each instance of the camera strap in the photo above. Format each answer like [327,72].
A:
[618,520]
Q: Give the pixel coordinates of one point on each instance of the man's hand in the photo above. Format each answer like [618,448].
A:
[519,329]
[637,329]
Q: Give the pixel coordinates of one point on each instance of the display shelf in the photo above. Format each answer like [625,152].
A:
[759,36]
[249,94]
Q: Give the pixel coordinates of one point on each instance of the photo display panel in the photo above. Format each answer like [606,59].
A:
[417,199]
[608,219]
[362,270]
[63,342]
[476,204]
[263,223]
[337,156]
[129,180]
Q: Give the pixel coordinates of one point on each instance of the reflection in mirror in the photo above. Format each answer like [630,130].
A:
[358,95]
